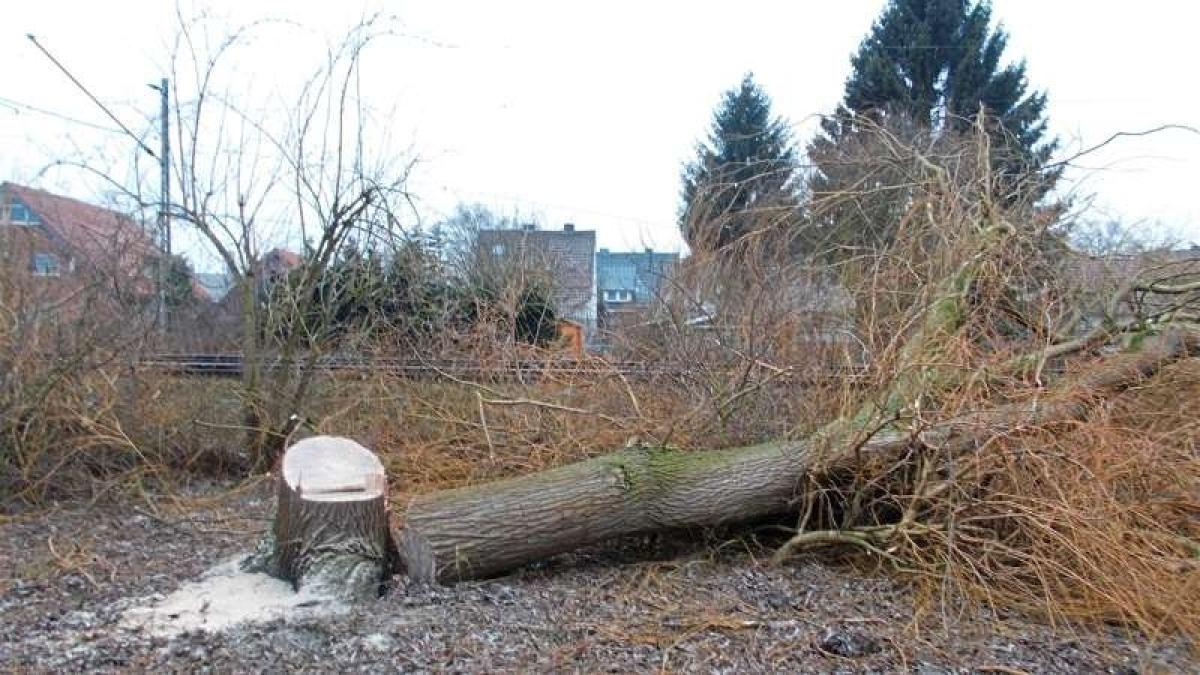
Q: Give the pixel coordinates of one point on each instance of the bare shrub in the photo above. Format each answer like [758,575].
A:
[757,342]
[63,338]
[975,301]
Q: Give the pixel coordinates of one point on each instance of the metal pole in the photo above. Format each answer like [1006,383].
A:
[164,205]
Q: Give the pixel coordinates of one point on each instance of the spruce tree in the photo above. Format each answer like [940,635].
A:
[745,168]
[925,71]
[938,61]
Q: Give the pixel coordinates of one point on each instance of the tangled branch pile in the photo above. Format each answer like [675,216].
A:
[978,305]
[999,451]
[1021,434]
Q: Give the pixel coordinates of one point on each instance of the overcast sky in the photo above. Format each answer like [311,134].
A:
[585,112]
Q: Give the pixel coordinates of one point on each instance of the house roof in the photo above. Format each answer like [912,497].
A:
[639,272]
[100,237]
[570,248]
[89,231]
[1100,276]
[1103,272]
[281,257]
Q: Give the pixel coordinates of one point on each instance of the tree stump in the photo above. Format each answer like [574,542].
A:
[331,534]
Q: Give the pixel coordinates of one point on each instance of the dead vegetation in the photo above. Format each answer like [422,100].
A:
[1094,519]
[970,307]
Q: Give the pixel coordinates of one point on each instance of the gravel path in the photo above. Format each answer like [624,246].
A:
[67,576]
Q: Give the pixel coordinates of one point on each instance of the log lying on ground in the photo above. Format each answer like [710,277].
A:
[488,529]
[483,530]
[331,534]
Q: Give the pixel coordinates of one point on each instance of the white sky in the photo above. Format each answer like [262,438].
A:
[585,112]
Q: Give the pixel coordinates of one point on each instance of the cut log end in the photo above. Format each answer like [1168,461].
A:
[332,469]
[331,534]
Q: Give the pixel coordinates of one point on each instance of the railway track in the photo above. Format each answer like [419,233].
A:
[231,365]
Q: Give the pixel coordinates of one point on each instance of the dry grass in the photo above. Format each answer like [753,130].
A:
[1097,520]
[439,434]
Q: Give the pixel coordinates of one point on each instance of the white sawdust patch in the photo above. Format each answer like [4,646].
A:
[225,596]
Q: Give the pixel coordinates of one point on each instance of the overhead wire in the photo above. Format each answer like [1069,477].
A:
[90,95]
[18,106]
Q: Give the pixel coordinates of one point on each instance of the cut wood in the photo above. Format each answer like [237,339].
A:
[331,533]
[487,529]
[483,530]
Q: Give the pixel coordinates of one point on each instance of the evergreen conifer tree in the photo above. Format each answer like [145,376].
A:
[745,168]
[924,72]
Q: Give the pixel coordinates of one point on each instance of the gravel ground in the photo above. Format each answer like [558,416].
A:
[67,575]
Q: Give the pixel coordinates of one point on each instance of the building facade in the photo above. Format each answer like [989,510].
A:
[567,255]
[60,237]
[629,282]
[54,248]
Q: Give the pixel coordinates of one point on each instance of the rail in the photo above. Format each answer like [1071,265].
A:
[231,365]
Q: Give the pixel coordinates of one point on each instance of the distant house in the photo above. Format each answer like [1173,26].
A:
[271,268]
[59,245]
[59,237]
[215,284]
[631,281]
[569,255]
[1099,277]
[276,264]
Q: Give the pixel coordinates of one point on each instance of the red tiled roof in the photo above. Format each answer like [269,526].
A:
[282,258]
[91,232]
[93,235]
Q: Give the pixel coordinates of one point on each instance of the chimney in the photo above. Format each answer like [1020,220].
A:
[568,227]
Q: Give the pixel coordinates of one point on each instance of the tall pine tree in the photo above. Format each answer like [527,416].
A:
[741,174]
[925,70]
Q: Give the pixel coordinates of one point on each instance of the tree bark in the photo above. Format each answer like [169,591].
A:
[484,530]
[331,534]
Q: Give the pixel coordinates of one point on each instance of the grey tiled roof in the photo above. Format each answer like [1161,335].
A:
[640,274]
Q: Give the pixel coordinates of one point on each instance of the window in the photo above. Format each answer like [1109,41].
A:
[45,265]
[618,296]
[19,214]
[498,250]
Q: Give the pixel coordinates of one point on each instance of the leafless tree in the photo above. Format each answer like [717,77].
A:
[304,168]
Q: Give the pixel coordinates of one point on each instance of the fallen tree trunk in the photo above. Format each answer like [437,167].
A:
[331,534]
[482,530]
[488,529]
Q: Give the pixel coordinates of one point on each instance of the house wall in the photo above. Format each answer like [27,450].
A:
[638,276]
[567,254]
[98,280]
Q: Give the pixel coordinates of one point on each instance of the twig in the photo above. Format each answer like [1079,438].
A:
[552,406]
[67,565]
[486,432]
[1122,134]
[851,537]
[637,409]
[995,668]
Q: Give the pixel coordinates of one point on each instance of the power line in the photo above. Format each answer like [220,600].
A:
[18,106]
[90,95]
[523,200]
